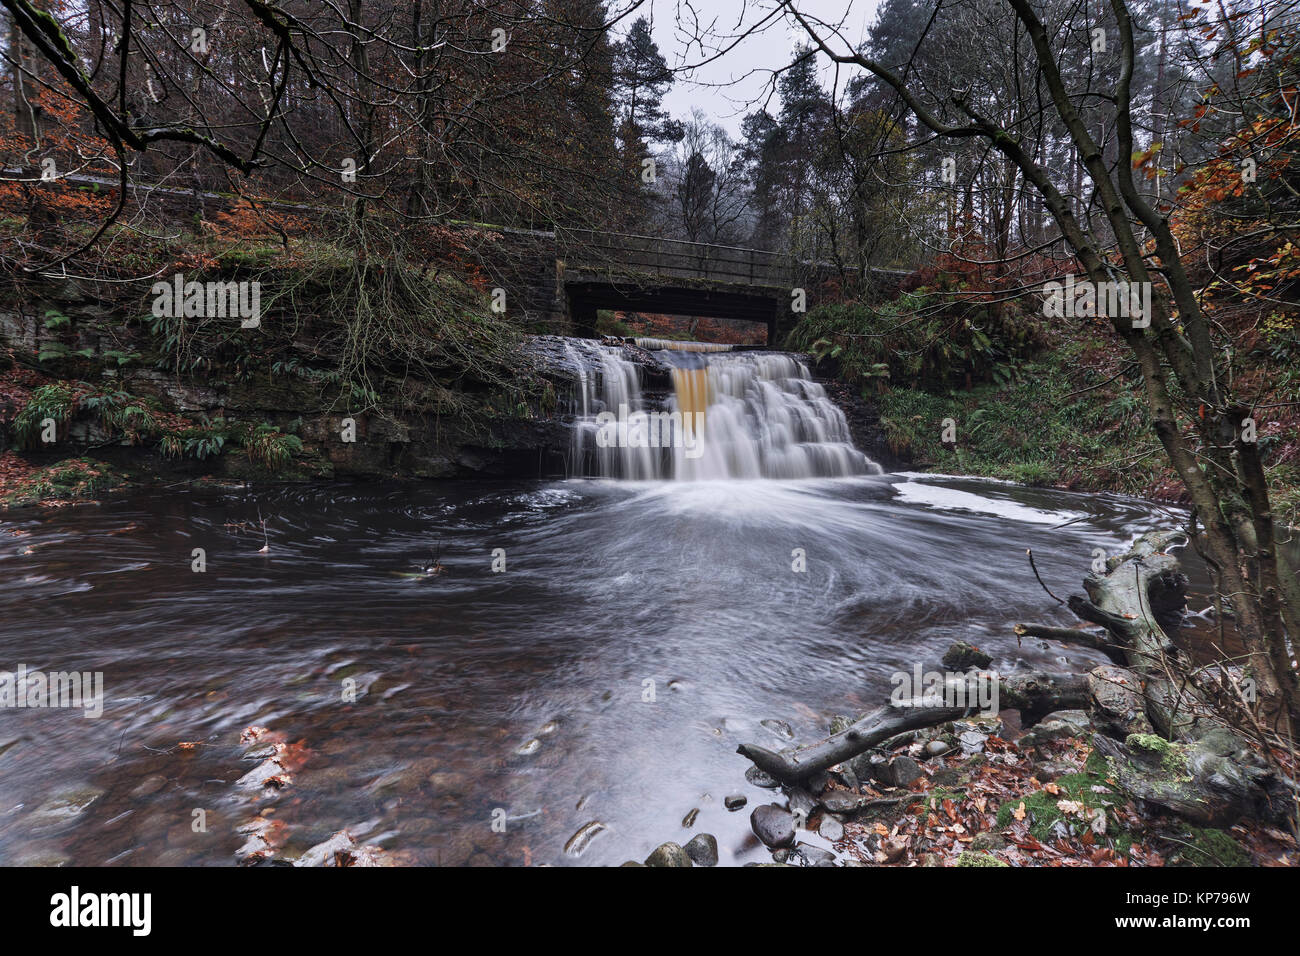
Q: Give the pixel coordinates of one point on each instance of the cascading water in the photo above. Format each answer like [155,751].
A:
[728,415]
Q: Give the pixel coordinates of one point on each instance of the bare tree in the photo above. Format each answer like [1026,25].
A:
[1204,426]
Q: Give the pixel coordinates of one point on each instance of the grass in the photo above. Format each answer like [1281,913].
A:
[1039,429]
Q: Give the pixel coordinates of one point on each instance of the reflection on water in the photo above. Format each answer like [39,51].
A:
[477,691]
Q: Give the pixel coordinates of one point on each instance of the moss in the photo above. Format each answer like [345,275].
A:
[1042,810]
[1152,742]
[1207,847]
[1096,764]
[978,859]
[1173,757]
[1036,429]
[74,479]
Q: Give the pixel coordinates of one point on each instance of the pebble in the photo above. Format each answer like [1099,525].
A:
[773,825]
[831,828]
[583,836]
[815,855]
[734,801]
[937,748]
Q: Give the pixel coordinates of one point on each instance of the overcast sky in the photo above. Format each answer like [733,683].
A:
[727,87]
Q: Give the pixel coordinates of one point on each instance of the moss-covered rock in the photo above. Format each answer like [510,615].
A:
[978,859]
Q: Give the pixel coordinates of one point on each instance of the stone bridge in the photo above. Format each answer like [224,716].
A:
[558,280]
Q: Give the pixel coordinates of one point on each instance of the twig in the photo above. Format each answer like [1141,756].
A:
[1030,552]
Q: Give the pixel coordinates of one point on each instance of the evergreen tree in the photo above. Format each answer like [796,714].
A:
[641,78]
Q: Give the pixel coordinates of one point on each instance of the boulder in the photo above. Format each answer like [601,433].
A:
[897,772]
[1056,726]
[1211,781]
[702,849]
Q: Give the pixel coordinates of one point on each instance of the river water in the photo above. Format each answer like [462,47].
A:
[638,633]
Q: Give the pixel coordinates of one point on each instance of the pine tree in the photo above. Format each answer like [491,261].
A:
[641,79]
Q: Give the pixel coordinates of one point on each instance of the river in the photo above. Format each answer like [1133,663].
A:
[638,632]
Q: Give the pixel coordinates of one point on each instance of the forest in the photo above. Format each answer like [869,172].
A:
[975,305]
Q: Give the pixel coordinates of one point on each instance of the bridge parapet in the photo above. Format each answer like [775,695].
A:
[617,254]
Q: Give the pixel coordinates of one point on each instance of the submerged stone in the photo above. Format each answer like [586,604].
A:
[668,854]
[64,806]
[577,843]
[963,657]
[760,778]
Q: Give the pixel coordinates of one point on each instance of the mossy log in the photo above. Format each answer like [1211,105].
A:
[1211,781]
[1138,588]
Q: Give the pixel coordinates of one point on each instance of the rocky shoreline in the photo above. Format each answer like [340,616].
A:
[1014,788]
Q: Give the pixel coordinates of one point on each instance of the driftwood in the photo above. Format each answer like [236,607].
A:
[1129,598]
[1074,635]
[1033,694]
[1037,694]
[793,765]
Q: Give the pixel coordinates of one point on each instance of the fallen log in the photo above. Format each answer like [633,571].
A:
[793,765]
[1073,635]
[1033,694]
[1038,694]
[1196,768]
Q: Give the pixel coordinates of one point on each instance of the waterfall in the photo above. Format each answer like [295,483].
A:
[676,346]
[728,415]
